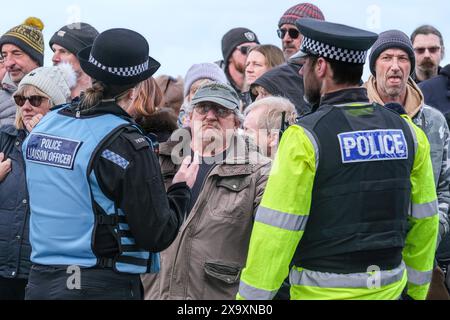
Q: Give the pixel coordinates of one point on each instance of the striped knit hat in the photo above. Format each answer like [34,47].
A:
[301,10]
[28,37]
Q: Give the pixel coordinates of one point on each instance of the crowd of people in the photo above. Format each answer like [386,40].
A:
[273,173]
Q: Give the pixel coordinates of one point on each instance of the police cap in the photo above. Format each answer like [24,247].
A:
[334,41]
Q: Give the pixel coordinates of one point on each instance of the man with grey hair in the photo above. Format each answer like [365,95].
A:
[264,120]
[206,258]
[22,50]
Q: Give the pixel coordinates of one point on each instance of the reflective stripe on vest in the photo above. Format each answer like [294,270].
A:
[315,145]
[252,293]
[424,210]
[281,220]
[418,277]
[353,280]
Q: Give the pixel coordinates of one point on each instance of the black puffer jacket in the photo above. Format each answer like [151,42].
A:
[285,81]
[15,247]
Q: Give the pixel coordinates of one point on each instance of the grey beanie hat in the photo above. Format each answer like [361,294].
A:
[56,82]
[388,40]
[199,71]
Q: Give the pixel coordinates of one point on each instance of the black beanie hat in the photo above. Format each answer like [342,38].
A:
[235,37]
[388,40]
[74,37]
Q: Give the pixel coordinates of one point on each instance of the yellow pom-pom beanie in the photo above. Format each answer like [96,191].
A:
[28,37]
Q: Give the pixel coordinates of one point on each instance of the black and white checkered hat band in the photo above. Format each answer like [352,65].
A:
[333,52]
[121,71]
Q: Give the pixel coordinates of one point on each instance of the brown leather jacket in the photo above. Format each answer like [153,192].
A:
[206,258]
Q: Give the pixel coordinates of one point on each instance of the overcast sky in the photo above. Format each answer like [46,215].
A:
[182,33]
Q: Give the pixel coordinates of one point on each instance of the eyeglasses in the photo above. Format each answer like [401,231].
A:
[244,49]
[293,33]
[432,50]
[218,111]
[35,101]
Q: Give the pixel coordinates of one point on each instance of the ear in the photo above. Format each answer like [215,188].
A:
[237,123]
[273,139]
[132,94]
[321,67]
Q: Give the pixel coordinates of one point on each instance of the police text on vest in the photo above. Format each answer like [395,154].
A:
[52,151]
[373,145]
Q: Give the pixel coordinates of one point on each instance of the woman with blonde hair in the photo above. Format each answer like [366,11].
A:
[38,91]
[260,59]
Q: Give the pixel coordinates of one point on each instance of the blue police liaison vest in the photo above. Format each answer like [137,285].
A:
[63,191]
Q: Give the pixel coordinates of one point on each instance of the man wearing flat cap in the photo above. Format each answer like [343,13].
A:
[343,202]
[205,260]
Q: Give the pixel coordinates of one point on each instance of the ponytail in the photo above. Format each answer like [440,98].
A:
[93,95]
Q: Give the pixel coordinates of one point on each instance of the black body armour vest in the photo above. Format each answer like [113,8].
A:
[362,190]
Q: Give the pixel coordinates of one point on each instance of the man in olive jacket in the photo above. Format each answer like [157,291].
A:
[206,258]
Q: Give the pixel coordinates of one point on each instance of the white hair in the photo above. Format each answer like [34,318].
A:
[270,119]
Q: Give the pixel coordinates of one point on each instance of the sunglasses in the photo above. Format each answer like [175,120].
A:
[218,111]
[432,50]
[244,49]
[293,33]
[35,101]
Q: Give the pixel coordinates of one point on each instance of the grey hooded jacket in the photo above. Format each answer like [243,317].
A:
[433,123]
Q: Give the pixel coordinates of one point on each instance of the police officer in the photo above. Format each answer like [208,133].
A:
[99,210]
[338,200]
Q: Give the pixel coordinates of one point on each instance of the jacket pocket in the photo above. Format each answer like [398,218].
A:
[235,184]
[226,272]
[233,199]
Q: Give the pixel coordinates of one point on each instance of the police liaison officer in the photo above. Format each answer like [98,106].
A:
[337,203]
[99,209]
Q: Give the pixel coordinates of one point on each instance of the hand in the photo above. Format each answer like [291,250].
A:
[187,172]
[29,125]
[5,166]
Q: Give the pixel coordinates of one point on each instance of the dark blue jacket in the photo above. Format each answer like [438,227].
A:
[437,91]
[284,81]
[15,247]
